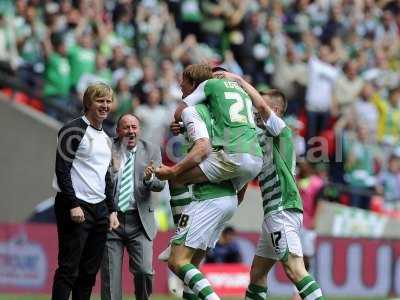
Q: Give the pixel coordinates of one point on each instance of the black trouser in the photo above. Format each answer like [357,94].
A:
[80,249]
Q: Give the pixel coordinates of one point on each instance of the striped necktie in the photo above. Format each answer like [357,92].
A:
[126,186]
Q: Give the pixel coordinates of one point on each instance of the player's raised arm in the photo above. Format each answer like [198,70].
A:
[277,103]
[197,96]
[255,96]
[274,124]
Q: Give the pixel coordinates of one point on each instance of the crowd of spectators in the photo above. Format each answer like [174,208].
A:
[337,61]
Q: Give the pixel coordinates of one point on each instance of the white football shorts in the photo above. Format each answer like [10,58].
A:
[240,168]
[281,235]
[202,222]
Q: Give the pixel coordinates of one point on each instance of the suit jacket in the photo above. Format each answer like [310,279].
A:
[144,153]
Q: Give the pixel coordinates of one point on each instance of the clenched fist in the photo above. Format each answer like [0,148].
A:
[77,215]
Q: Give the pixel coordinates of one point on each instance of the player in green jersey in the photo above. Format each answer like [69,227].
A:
[236,154]
[202,219]
[282,205]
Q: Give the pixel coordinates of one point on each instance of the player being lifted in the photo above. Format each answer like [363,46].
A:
[282,205]
[236,153]
[203,218]
[202,221]
[199,149]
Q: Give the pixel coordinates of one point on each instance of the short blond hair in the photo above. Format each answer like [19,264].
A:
[197,73]
[94,91]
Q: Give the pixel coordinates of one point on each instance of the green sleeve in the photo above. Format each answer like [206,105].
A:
[284,142]
[71,52]
[211,85]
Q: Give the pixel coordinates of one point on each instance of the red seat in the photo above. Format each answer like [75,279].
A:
[7,92]
[21,98]
[36,104]
[344,199]
[376,204]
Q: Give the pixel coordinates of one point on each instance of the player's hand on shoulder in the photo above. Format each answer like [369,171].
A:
[227,75]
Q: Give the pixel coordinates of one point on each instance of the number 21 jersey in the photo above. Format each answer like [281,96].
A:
[233,125]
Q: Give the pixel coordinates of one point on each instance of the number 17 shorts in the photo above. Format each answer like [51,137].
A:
[281,235]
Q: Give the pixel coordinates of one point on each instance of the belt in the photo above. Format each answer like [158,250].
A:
[128,212]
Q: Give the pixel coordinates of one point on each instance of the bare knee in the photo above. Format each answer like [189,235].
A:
[258,275]
[174,264]
[179,257]
[259,270]
[295,269]
[198,257]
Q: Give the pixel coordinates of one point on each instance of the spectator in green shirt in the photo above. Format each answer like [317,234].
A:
[102,70]
[30,35]
[56,77]
[191,16]
[125,102]
[82,58]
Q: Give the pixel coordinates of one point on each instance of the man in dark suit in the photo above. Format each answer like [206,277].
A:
[133,174]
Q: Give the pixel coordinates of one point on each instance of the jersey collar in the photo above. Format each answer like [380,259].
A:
[88,122]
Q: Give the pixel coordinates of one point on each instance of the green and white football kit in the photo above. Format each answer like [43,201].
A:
[282,203]
[237,154]
[283,208]
[203,219]
[212,205]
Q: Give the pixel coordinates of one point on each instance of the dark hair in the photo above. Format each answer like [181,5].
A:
[56,39]
[394,91]
[219,68]
[277,94]
[346,66]
[228,230]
